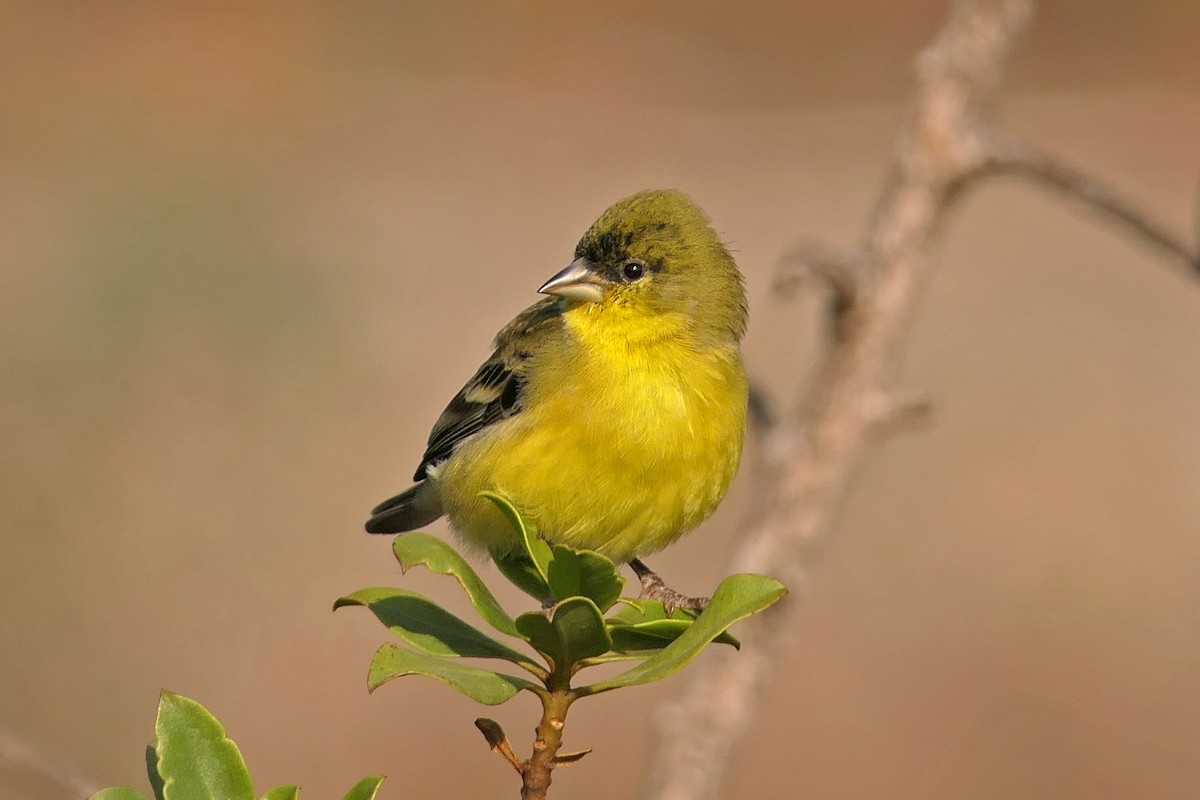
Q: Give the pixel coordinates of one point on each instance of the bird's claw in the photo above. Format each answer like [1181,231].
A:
[653,588]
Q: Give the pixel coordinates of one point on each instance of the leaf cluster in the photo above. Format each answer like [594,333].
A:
[571,632]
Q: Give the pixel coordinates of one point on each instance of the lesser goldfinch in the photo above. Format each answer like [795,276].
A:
[613,412]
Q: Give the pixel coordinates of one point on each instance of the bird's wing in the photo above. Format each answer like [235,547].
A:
[493,394]
[496,390]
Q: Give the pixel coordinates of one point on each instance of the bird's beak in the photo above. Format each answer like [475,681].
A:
[578,281]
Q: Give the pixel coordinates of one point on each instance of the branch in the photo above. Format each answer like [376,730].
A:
[1012,156]
[848,274]
[949,144]
[936,153]
[536,773]
[536,770]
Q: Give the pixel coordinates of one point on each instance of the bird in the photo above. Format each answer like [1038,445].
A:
[612,412]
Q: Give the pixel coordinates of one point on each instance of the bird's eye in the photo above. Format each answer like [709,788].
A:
[633,270]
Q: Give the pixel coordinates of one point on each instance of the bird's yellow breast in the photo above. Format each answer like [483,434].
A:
[629,437]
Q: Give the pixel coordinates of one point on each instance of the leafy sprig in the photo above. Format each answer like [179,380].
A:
[569,634]
[576,628]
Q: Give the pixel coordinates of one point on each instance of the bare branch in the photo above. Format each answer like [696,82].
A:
[889,411]
[940,147]
[950,144]
[843,270]
[848,273]
[1013,156]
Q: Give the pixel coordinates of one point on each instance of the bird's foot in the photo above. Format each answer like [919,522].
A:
[654,588]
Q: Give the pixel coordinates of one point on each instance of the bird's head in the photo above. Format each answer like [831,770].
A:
[655,254]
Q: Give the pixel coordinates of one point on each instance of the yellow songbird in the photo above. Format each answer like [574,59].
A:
[613,412]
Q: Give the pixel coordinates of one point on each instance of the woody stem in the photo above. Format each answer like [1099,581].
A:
[536,776]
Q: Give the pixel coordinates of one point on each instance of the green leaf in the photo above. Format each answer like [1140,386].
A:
[648,610]
[282,793]
[575,573]
[646,626]
[365,789]
[563,573]
[487,687]
[117,793]
[656,634]
[430,628]
[414,549]
[535,547]
[156,781]
[736,598]
[522,573]
[196,759]
[612,657]
[574,631]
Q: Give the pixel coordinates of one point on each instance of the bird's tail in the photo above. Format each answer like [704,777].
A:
[407,511]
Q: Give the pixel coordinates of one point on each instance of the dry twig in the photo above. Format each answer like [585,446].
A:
[950,143]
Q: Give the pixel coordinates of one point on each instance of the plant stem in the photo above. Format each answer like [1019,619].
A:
[535,778]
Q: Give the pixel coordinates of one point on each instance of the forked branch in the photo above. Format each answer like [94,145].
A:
[950,144]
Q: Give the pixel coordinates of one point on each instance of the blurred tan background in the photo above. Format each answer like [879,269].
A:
[248,252]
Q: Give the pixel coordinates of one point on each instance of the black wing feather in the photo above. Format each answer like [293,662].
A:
[461,420]
[496,390]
